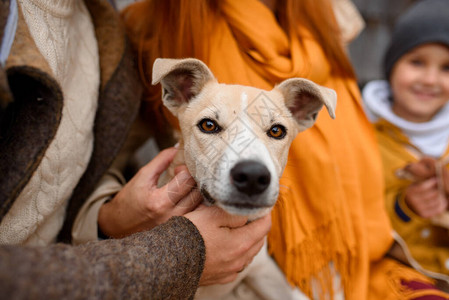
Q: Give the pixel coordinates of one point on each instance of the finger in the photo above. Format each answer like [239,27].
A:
[431,183]
[446,179]
[430,213]
[179,187]
[422,169]
[221,218]
[159,164]
[257,229]
[231,221]
[437,203]
[181,168]
[189,202]
[429,196]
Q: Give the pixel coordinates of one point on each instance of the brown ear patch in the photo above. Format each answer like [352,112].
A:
[304,99]
[181,80]
[304,105]
[179,87]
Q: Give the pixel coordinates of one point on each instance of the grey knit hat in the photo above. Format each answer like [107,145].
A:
[427,21]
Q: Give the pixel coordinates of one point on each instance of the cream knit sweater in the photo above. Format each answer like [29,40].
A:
[64,34]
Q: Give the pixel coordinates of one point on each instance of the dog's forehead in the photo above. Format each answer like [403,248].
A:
[241,98]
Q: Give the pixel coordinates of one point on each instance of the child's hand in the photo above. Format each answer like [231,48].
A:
[420,170]
[425,199]
[445,180]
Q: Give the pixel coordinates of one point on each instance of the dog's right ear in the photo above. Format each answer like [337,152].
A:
[181,80]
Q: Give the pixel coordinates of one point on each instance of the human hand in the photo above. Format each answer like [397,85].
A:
[231,243]
[425,199]
[445,179]
[141,205]
[420,170]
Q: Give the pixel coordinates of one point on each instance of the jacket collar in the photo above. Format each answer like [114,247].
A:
[119,100]
[110,37]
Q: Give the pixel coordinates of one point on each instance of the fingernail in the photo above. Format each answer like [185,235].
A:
[176,145]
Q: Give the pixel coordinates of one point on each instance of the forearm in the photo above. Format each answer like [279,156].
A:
[165,262]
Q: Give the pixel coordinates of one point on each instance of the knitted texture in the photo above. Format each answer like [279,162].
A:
[163,263]
[426,21]
[64,34]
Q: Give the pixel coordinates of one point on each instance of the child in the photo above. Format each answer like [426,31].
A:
[410,112]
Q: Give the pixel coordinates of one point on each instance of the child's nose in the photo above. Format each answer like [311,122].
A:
[431,75]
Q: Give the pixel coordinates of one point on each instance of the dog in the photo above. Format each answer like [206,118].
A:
[235,141]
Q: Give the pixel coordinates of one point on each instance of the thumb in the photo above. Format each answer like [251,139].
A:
[159,164]
[221,218]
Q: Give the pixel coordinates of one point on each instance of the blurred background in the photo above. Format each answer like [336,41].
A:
[367,49]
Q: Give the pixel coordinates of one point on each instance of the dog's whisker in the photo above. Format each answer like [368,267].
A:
[283,187]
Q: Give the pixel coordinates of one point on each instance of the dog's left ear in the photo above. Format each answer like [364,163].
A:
[304,99]
[181,80]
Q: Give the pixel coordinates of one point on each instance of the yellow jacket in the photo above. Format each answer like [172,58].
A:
[427,243]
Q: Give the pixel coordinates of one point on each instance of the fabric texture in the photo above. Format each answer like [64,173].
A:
[424,22]
[427,242]
[164,263]
[9,29]
[146,265]
[431,138]
[65,36]
[332,187]
[85,227]
[349,19]
[35,101]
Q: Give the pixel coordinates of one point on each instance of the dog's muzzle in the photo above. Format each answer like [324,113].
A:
[250,177]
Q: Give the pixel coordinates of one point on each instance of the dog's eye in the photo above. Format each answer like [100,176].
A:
[277,132]
[208,126]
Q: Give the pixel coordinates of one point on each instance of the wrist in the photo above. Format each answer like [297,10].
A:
[105,221]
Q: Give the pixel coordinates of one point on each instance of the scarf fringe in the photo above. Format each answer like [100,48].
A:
[306,265]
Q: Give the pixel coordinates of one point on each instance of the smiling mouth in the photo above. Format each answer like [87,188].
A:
[428,93]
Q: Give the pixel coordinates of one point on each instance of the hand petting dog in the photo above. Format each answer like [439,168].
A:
[231,242]
[141,205]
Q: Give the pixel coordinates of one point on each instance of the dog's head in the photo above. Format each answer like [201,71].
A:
[236,138]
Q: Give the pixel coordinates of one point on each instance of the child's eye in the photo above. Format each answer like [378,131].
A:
[445,68]
[416,62]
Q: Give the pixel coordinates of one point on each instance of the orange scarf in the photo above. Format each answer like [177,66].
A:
[331,189]
[331,207]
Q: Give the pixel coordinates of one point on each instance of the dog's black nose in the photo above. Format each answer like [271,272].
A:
[250,177]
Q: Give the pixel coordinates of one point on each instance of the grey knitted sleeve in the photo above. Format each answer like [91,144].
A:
[163,263]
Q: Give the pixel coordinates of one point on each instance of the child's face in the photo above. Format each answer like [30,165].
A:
[420,82]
